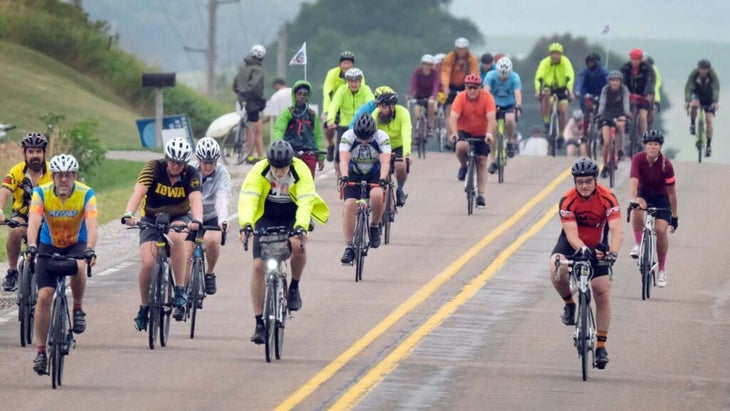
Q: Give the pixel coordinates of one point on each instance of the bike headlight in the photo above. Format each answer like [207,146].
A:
[271,264]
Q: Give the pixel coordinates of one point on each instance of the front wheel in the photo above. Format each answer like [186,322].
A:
[501,157]
[584,334]
[470,186]
[389,215]
[281,320]
[56,340]
[645,265]
[700,137]
[270,319]
[155,307]
[194,294]
[168,298]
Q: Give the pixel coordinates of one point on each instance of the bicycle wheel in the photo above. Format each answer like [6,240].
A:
[239,147]
[155,307]
[470,184]
[423,126]
[645,264]
[281,319]
[361,243]
[700,137]
[440,130]
[554,131]
[501,157]
[26,301]
[167,296]
[56,340]
[611,162]
[583,334]
[194,293]
[270,318]
[389,214]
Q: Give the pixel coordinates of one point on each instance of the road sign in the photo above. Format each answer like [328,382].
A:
[146,128]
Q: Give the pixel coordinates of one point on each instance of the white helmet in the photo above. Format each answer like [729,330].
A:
[504,66]
[177,149]
[461,43]
[427,58]
[438,58]
[207,150]
[577,115]
[353,74]
[64,162]
[257,51]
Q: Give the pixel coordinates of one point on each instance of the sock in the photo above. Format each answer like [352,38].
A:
[568,299]
[662,260]
[692,121]
[207,274]
[259,319]
[77,307]
[41,349]
[602,337]
[709,141]
[637,237]
[294,284]
[400,186]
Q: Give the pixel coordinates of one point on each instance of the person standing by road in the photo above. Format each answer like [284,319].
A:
[249,86]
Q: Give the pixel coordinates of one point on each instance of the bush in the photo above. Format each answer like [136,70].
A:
[79,141]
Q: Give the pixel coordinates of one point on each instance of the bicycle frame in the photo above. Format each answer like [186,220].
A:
[470,182]
[501,147]
[701,142]
[647,260]
[390,203]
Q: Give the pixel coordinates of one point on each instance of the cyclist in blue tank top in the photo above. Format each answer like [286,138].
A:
[506,87]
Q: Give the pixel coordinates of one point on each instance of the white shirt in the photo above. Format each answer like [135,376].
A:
[534,146]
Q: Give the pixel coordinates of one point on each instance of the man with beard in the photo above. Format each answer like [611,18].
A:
[19,183]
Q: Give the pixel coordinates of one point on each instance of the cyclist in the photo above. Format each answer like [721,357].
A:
[613,109]
[249,86]
[299,126]
[19,183]
[575,135]
[438,59]
[653,184]
[65,213]
[425,84]
[278,191]
[657,107]
[395,120]
[473,112]
[346,100]
[554,76]
[585,211]
[590,81]
[506,88]
[371,105]
[173,187]
[702,89]
[333,80]
[487,65]
[639,79]
[459,63]
[216,195]
[366,153]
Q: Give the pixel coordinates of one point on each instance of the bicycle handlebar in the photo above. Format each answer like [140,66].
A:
[650,210]
[275,230]
[14,224]
[61,257]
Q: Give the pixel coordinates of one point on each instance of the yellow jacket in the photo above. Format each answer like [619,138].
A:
[332,82]
[399,129]
[256,188]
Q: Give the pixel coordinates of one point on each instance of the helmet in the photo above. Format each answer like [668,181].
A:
[585,167]
[438,58]
[704,64]
[387,98]
[594,57]
[364,126]
[177,149]
[636,54]
[487,58]
[257,51]
[35,140]
[555,47]
[615,74]
[653,135]
[64,162]
[648,59]
[382,90]
[427,58]
[577,114]
[504,67]
[472,79]
[280,153]
[207,150]
[353,74]
[461,43]
[347,55]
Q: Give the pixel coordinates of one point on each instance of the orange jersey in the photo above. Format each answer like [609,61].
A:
[590,214]
[473,113]
[454,70]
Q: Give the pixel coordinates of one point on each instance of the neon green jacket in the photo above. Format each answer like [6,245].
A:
[657,85]
[334,79]
[555,75]
[256,187]
[347,103]
[399,129]
[301,130]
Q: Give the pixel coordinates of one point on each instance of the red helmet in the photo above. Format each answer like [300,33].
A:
[472,79]
[636,54]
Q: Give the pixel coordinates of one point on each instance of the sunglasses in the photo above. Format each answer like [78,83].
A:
[472,87]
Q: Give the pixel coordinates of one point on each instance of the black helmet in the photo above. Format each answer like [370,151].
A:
[35,140]
[648,59]
[364,126]
[593,56]
[704,64]
[280,153]
[585,167]
[387,98]
[487,58]
[347,55]
[653,135]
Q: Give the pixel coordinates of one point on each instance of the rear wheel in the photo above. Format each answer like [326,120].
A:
[270,319]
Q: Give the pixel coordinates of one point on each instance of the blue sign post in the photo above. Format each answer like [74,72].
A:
[146,128]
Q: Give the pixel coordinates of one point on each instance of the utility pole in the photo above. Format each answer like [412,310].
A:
[210,49]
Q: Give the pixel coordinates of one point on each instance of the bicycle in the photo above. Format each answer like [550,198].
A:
[470,182]
[196,286]
[361,239]
[420,129]
[27,292]
[701,137]
[647,260]
[635,129]
[60,338]
[275,250]
[500,157]
[242,130]
[390,202]
[553,133]
[612,162]
[581,273]
[593,128]
[439,127]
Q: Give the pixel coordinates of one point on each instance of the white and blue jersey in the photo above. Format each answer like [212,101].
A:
[503,91]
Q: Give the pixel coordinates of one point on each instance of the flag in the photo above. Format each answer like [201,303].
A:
[606,29]
[300,57]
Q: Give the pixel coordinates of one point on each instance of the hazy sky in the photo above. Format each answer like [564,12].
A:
[658,19]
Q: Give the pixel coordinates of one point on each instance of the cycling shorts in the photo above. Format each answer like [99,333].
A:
[45,278]
[659,202]
[150,234]
[253,116]
[563,247]
[481,148]
[502,110]
[560,92]
[705,103]
[641,102]
[354,191]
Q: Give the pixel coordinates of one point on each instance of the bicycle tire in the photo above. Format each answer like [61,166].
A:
[645,264]
[388,215]
[423,135]
[440,130]
[470,182]
[554,130]
[25,304]
[583,334]
[281,320]
[194,294]
[155,308]
[700,136]
[56,342]
[501,157]
[269,319]
[168,298]
[361,241]
[612,162]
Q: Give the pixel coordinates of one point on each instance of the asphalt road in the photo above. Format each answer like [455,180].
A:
[457,313]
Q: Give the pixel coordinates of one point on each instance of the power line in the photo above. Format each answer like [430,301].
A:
[178,36]
[200,16]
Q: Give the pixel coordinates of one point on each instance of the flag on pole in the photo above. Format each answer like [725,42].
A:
[606,29]
[300,57]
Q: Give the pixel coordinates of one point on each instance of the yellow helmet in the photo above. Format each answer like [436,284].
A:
[383,90]
[556,47]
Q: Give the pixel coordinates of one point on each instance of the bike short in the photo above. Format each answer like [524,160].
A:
[452,94]
[354,191]
[641,102]
[560,92]
[503,110]
[705,103]
[150,234]
[270,221]
[481,148]
[422,101]
[22,216]
[608,118]
[45,278]
[661,201]
[253,116]
[575,141]
[340,131]
[563,247]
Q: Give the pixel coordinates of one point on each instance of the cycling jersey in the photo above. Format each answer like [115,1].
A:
[19,183]
[64,221]
[653,178]
[454,70]
[365,157]
[346,103]
[399,128]
[293,194]
[334,79]
[640,79]
[473,113]
[503,91]
[591,81]
[164,197]
[425,86]
[216,193]
[591,214]
[554,76]
[612,103]
[707,90]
